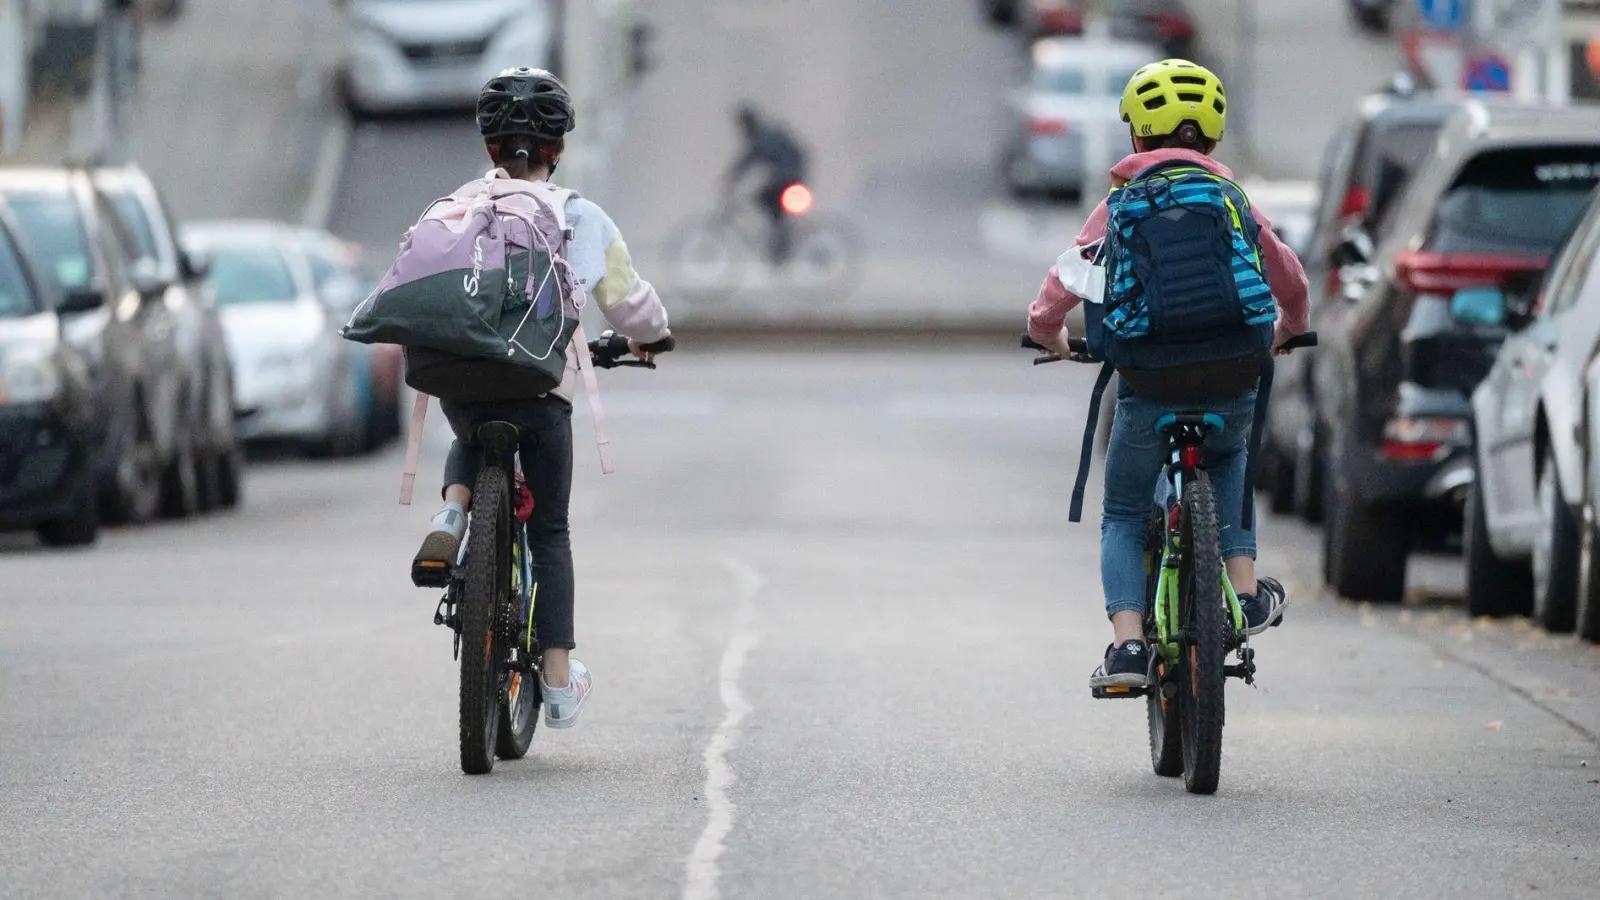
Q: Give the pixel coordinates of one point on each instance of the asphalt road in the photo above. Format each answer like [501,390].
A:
[865,555]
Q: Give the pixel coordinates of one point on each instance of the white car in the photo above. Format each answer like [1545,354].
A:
[429,54]
[1069,131]
[1291,205]
[295,379]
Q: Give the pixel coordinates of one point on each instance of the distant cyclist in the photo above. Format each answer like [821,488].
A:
[1175,112]
[524,115]
[771,148]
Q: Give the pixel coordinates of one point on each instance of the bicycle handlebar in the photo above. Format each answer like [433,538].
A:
[1080,348]
[607,351]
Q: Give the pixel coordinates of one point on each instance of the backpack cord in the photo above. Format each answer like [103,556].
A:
[1086,458]
[556,262]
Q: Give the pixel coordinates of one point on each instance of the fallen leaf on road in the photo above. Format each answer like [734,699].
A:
[1493,726]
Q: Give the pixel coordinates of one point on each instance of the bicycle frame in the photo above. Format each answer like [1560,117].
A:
[1165,605]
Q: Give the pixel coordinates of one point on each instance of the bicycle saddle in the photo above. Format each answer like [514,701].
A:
[1205,422]
[498,437]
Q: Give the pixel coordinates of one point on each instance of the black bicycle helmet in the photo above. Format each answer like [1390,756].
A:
[525,100]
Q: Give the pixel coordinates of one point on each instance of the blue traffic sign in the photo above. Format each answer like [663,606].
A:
[1489,72]
[1445,15]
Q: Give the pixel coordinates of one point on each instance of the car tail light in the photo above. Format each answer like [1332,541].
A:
[1045,126]
[1446,273]
[1355,201]
[1061,19]
[1423,438]
[1173,26]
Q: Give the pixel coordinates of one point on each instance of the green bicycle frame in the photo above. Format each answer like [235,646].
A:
[1167,600]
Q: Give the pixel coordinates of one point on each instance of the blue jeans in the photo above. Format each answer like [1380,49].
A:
[1134,461]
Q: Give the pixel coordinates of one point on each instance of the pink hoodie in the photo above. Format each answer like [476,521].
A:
[1048,314]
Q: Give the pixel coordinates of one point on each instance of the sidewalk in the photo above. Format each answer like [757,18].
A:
[230,109]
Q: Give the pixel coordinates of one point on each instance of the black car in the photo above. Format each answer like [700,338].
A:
[1406,343]
[211,461]
[47,443]
[1363,170]
[1167,24]
[120,325]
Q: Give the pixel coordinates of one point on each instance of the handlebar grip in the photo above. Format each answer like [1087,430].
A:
[1028,343]
[1300,341]
[664,345]
[1077,345]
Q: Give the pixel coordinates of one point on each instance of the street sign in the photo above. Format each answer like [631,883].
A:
[1445,15]
[1488,72]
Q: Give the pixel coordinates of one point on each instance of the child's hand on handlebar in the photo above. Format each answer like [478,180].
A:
[1058,344]
[637,349]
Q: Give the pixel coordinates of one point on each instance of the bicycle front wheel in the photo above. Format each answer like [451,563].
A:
[487,584]
[1203,611]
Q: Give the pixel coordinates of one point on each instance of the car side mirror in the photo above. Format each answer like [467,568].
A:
[147,280]
[1354,249]
[194,265]
[83,299]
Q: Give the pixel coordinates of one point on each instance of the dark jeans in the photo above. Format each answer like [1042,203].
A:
[545,426]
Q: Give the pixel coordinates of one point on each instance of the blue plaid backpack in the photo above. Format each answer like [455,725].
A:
[1188,314]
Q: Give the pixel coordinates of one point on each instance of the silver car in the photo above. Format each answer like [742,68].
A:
[420,54]
[1068,131]
[295,379]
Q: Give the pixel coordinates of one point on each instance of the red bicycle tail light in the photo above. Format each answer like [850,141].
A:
[796,199]
[1190,455]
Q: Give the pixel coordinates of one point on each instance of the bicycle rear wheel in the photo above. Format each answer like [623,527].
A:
[1166,737]
[488,581]
[1206,625]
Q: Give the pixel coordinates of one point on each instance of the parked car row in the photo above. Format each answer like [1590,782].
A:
[128,377]
[1450,386]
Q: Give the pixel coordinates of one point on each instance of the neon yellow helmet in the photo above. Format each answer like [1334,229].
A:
[1165,94]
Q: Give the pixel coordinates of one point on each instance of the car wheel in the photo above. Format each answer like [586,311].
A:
[1588,618]
[180,482]
[1309,478]
[1495,587]
[1555,557]
[80,528]
[230,477]
[1364,548]
[134,497]
[1277,478]
[347,96]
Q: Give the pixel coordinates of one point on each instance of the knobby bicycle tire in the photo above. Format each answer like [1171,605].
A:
[486,585]
[519,714]
[1206,625]
[1166,742]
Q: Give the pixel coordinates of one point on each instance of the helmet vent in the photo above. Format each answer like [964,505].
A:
[1191,97]
[1155,102]
[1189,79]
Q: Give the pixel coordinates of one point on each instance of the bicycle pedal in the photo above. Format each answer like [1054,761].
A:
[427,573]
[1118,692]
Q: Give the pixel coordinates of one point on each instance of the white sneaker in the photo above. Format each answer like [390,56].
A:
[562,706]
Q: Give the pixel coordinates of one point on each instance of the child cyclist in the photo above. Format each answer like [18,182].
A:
[524,115]
[1175,111]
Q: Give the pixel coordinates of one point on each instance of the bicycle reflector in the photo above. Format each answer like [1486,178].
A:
[796,199]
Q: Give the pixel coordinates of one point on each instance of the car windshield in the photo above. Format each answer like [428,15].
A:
[16,295]
[137,219]
[1059,80]
[246,274]
[1516,201]
[55,234]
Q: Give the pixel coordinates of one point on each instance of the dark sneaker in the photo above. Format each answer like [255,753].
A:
[1125,666]
[1264,609]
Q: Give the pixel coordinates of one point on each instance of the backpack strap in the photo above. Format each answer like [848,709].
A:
[1075,513]
[408,475]
[592,387]
[1258,426]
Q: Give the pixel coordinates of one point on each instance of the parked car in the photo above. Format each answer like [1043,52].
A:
[343,283]
[1167,24]
[437,53]
[1291,205]
[115,317]
[1068,132]
[1365,167]
[1587,620]
[48,439]
[294,377]
[1528,416]
[212,469]
[1051,18]
[1400,354]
